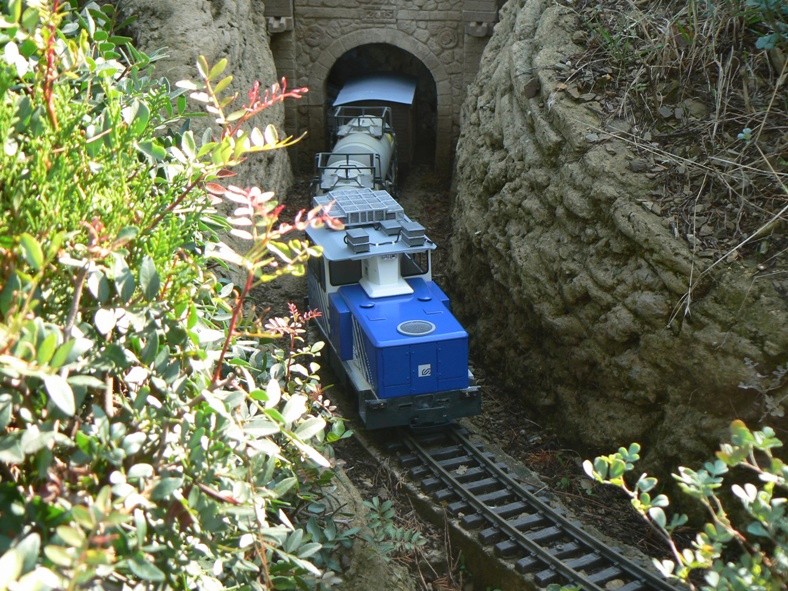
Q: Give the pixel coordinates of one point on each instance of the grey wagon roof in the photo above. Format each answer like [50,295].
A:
[395,88]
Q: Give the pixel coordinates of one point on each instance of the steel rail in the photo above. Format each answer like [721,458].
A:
[537,506]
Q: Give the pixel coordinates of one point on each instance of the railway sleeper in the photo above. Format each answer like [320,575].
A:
[507,548]
[498,496]
[419,472]
[442,453]
[458,507]
[473,521]
[484,485]
[431,484]
[491,535]
[528,564]
[410,460]
[527,521]
[456,462]
[471,474]
[510,509]
[547,534]
[605,575]
[585,561]
[566,550]
[445,495]
[634,586]
[546,576]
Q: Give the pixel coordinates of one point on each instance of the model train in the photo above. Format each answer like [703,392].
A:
[391,334]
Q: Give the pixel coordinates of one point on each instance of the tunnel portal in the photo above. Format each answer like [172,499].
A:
[321,43]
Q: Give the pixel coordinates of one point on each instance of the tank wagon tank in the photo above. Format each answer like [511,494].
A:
[364,151]
[391,334]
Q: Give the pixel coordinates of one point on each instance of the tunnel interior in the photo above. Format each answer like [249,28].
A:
[378,58]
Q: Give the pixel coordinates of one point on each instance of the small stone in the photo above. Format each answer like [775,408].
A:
[638,165]
[579,37]
[592,137]
[532,87]
[665,112]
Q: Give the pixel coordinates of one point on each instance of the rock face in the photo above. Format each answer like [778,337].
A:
[216,29]
[574,290]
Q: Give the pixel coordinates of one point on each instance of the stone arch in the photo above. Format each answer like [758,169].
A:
[336,49]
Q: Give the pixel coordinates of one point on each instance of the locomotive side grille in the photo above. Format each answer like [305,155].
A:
[415,328]
[360,357]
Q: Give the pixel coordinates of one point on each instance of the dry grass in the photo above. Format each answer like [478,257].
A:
[706,109]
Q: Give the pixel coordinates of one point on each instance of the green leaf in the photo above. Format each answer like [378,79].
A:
[202,66]
[98,286]
[72,536]
[658,516]
[757,529]
[85,381]
[145,569]
[15,10]
[29,548]
[600,467]
[187,144]
[141,119]
[124,280]
[149,279]
[151,347]
[6,408]
[60,393]
[31,251]
[153,149]
[217,69]
[310,427]
[59,555]
[104,320]
[11,448]
[294,408]
[222,84]
[61,354]
[284,485]
[140,471]
[46,349]
[11,564]
[165,487]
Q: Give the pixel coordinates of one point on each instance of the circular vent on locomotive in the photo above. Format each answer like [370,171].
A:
[415,328]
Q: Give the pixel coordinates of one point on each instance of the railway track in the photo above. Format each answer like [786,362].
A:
[544,545]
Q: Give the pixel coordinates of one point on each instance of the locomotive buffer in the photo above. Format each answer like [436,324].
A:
[391,332]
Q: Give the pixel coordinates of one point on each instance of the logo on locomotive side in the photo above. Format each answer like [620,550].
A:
[425,370]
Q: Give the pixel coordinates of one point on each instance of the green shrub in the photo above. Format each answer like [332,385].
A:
[151,435]
[751,557]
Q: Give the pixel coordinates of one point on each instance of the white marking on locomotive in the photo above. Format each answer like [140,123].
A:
[425,370]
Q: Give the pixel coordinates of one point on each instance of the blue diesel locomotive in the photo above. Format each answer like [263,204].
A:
[391,332]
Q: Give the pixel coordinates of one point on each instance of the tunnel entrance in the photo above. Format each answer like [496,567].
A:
[377,58]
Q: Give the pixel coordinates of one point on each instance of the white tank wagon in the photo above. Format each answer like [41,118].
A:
[365,152]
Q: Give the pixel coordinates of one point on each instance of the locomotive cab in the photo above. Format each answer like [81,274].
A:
[389,326]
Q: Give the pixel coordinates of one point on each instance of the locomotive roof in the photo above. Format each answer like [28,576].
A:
[393,88]
[376,216]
